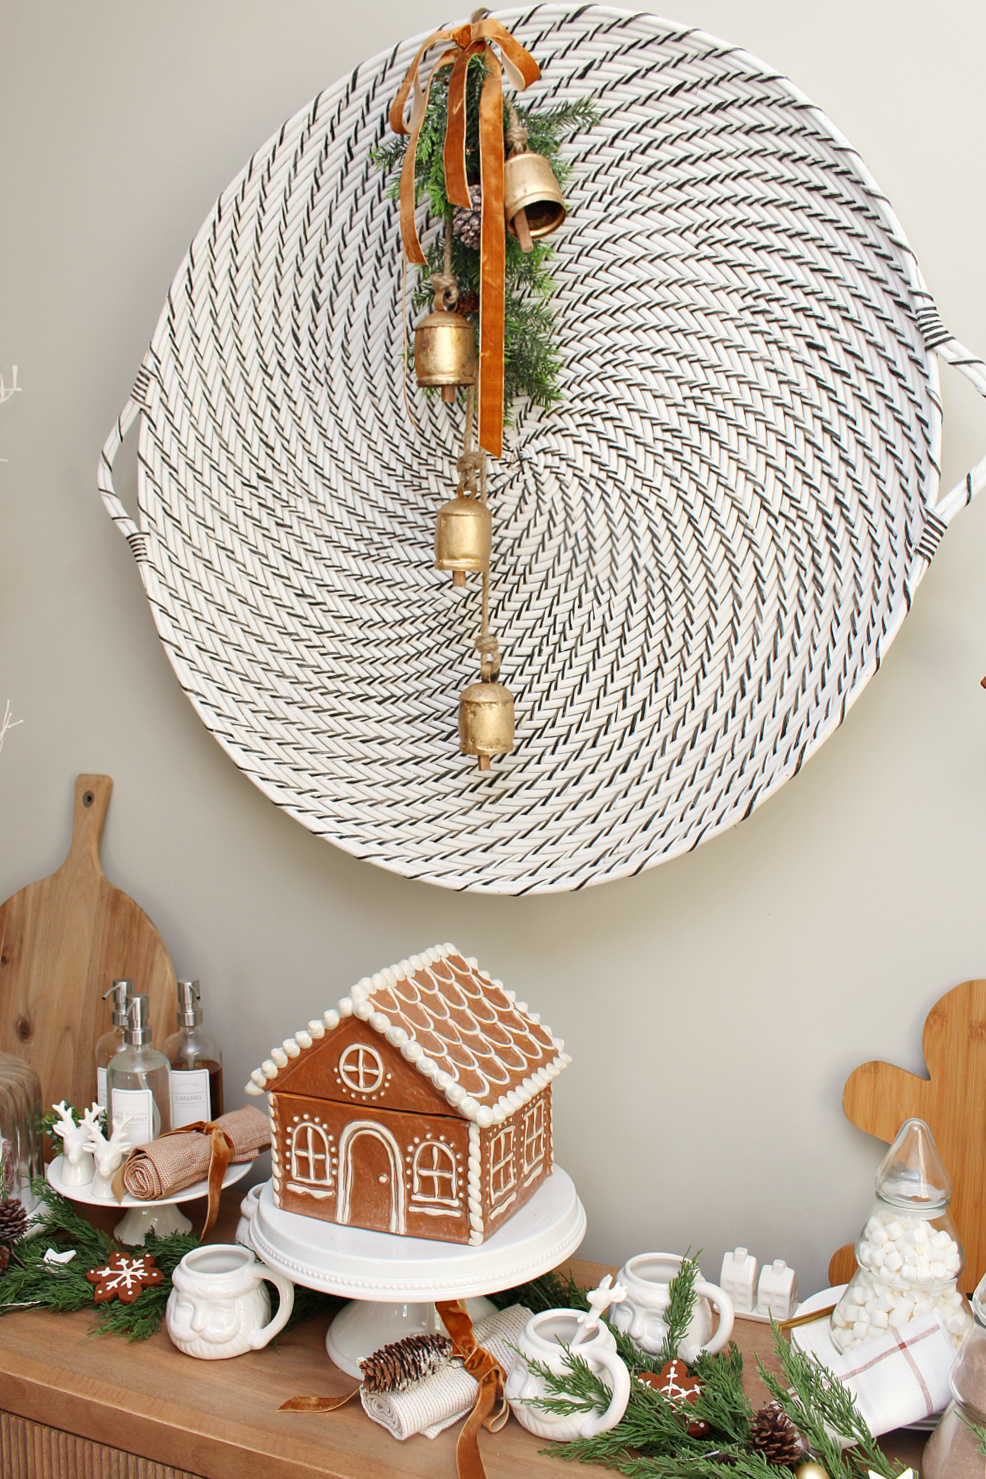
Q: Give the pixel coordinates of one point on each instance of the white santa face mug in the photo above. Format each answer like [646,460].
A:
[647,1278]
[544,1338]
[218,1305]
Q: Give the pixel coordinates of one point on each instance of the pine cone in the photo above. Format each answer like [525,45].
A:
[396,1366]
[775,1438]
[4,1259]
[466,224]
[13,1221]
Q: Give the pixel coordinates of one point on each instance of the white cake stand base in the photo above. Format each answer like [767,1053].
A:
[394,1281]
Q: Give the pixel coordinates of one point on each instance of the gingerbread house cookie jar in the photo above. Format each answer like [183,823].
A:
[421,1104]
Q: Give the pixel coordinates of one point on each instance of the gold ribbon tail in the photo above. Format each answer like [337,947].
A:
[490,1409]
[317,1404]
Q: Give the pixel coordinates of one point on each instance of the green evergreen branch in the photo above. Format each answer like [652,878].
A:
[681,1307]
[822,1408]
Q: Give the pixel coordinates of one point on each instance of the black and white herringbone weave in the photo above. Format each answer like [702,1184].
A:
[698,559]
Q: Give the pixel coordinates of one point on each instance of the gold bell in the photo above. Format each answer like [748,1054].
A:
[463,534]
[532,200]
[444,351]
[486,721]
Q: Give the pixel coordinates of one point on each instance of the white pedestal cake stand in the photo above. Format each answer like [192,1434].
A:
[393,1281]
[140,1217]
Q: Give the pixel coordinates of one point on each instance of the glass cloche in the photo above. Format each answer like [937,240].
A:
[20,1130]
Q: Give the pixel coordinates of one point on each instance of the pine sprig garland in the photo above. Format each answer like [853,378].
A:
[63,1287]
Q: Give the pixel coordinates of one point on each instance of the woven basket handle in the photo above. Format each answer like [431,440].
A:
[948,348]
[104,477]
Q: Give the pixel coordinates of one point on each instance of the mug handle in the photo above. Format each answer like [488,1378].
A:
[727,1314]
[285,1289]
[620,1377]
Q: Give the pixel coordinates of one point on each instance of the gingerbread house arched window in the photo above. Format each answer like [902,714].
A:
[310,1160]
[534,1136]
[502,1173]
[433,1177]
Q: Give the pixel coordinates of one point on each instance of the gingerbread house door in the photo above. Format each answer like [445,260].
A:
[371,1178]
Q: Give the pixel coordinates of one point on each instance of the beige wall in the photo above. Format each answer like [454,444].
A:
[715,1005]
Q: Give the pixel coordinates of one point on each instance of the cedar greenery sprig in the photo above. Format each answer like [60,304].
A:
[531,361]
[819,1405]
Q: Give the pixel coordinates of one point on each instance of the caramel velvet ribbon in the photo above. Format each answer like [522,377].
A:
[221,1150]
[475,39]
[491,1409]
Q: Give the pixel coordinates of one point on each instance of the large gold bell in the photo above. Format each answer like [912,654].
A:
[486,721]
[530,187]
[444,351]
[463,534]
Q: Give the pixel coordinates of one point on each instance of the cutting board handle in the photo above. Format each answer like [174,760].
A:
[92,800]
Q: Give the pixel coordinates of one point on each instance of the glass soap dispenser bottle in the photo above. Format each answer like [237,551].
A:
[908,1253]
[138,1079]
[111,1042]
[196,1063]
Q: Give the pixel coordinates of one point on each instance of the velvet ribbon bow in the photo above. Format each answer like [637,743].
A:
[478,38]
[491,1408]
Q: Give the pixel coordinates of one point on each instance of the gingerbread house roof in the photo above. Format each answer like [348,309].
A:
[486,1052]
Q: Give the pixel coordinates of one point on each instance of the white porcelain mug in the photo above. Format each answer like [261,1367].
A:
[219,1307]
[647,1278]
[543,1339]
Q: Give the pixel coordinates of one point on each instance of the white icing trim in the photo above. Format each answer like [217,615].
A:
[474,1184]
[252,1088]
[358,1003]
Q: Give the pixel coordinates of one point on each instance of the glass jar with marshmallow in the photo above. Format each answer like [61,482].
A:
[908,1253]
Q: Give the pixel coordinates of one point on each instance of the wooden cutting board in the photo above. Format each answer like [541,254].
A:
[62,942]
[879,1097]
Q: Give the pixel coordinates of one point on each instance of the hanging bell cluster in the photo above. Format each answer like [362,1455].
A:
[486,718]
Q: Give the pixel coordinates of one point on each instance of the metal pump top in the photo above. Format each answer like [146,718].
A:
[121,992]
[189,1010]
[139,1022]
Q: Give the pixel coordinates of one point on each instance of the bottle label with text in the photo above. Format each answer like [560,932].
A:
[139,1105]
[189,1097]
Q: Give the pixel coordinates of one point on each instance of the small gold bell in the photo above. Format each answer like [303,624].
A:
[486,721]
[532,200]
[444,351]
[463,534]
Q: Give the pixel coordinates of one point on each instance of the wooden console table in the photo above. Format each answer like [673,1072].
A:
[75,1406]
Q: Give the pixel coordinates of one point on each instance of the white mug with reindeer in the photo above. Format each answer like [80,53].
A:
[77,1161]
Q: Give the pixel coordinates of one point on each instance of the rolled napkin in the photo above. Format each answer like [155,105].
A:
[900,1378]
[179,1159]
[437,1401]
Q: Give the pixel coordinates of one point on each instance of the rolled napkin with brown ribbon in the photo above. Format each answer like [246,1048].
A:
[434,1403]
[174,1161]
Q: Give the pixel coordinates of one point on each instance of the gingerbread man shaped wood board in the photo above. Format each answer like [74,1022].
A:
[878,1097]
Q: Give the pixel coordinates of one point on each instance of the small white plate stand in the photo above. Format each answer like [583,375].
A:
[140,1217]
[393,1281]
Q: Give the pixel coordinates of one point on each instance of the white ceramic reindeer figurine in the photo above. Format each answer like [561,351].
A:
[110,1154]
[77,1162]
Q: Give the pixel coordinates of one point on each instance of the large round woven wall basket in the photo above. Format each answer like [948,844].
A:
[699,556]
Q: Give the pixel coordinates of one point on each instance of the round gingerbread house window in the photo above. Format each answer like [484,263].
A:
[361,1069]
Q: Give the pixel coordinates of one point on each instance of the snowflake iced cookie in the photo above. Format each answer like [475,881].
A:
[122,1277]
